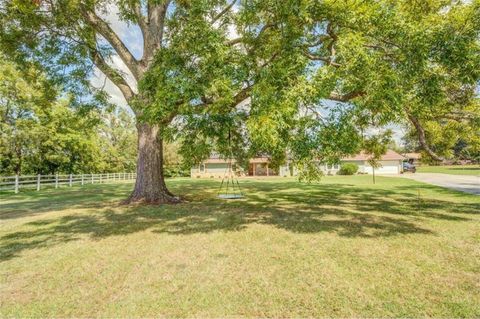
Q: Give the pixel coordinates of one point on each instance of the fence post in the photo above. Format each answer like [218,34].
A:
[91,175]
[16,184]
[100,180]
[82,179]
[38,182]
[56,180]
[70,180]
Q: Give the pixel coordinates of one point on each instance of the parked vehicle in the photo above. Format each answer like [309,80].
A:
[407,167]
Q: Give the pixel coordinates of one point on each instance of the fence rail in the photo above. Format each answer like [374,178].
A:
[38,182]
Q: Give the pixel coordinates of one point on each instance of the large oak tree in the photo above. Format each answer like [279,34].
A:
[251,76]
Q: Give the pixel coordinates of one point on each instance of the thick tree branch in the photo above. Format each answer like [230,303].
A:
[457,116]
[345,97]
[142,23]
[422,139]
[235,41]
[332,38]
[242,95]
[327,60]
[260,33]
[156,23]
[141,19]
[224,11]
[112,74]
[321,39]
[106,31]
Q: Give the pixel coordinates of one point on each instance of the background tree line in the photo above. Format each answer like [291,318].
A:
[45,132]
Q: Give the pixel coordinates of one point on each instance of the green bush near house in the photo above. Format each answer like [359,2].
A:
[348,169]
[176,171]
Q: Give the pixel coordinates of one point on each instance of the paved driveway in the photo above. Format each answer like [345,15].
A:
[464,183]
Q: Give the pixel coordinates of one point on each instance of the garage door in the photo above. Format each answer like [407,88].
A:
[388,167]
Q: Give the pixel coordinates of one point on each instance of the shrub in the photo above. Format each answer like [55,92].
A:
[176,171]
[348,169]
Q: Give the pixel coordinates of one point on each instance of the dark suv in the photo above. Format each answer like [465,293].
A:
[407,167]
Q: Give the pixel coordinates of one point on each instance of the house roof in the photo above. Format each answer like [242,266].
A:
[413,155]
[391,155]
[222,160]
[218,160]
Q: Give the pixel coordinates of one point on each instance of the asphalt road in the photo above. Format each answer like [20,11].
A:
[464,183]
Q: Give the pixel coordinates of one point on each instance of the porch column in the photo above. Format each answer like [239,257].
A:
[268,173]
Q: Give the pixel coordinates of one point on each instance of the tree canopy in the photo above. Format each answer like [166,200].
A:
[41,132]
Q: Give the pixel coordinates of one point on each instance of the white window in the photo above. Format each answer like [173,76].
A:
[332,167]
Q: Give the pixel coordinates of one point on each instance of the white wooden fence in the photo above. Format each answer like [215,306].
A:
[38,182]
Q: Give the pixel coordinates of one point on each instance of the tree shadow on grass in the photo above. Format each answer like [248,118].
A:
[344,209]
[35,203]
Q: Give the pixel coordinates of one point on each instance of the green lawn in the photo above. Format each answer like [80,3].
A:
[339,248]
[451,169]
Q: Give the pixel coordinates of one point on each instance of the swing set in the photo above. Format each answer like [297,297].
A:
[230,188]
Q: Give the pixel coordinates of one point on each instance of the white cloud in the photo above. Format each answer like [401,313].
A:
[397,130]
[129,33]
[100,81]
[117,62]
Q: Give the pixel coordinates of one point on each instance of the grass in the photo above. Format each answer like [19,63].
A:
[339,248]
[451,169]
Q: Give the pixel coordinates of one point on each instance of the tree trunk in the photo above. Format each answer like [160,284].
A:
[150,183]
